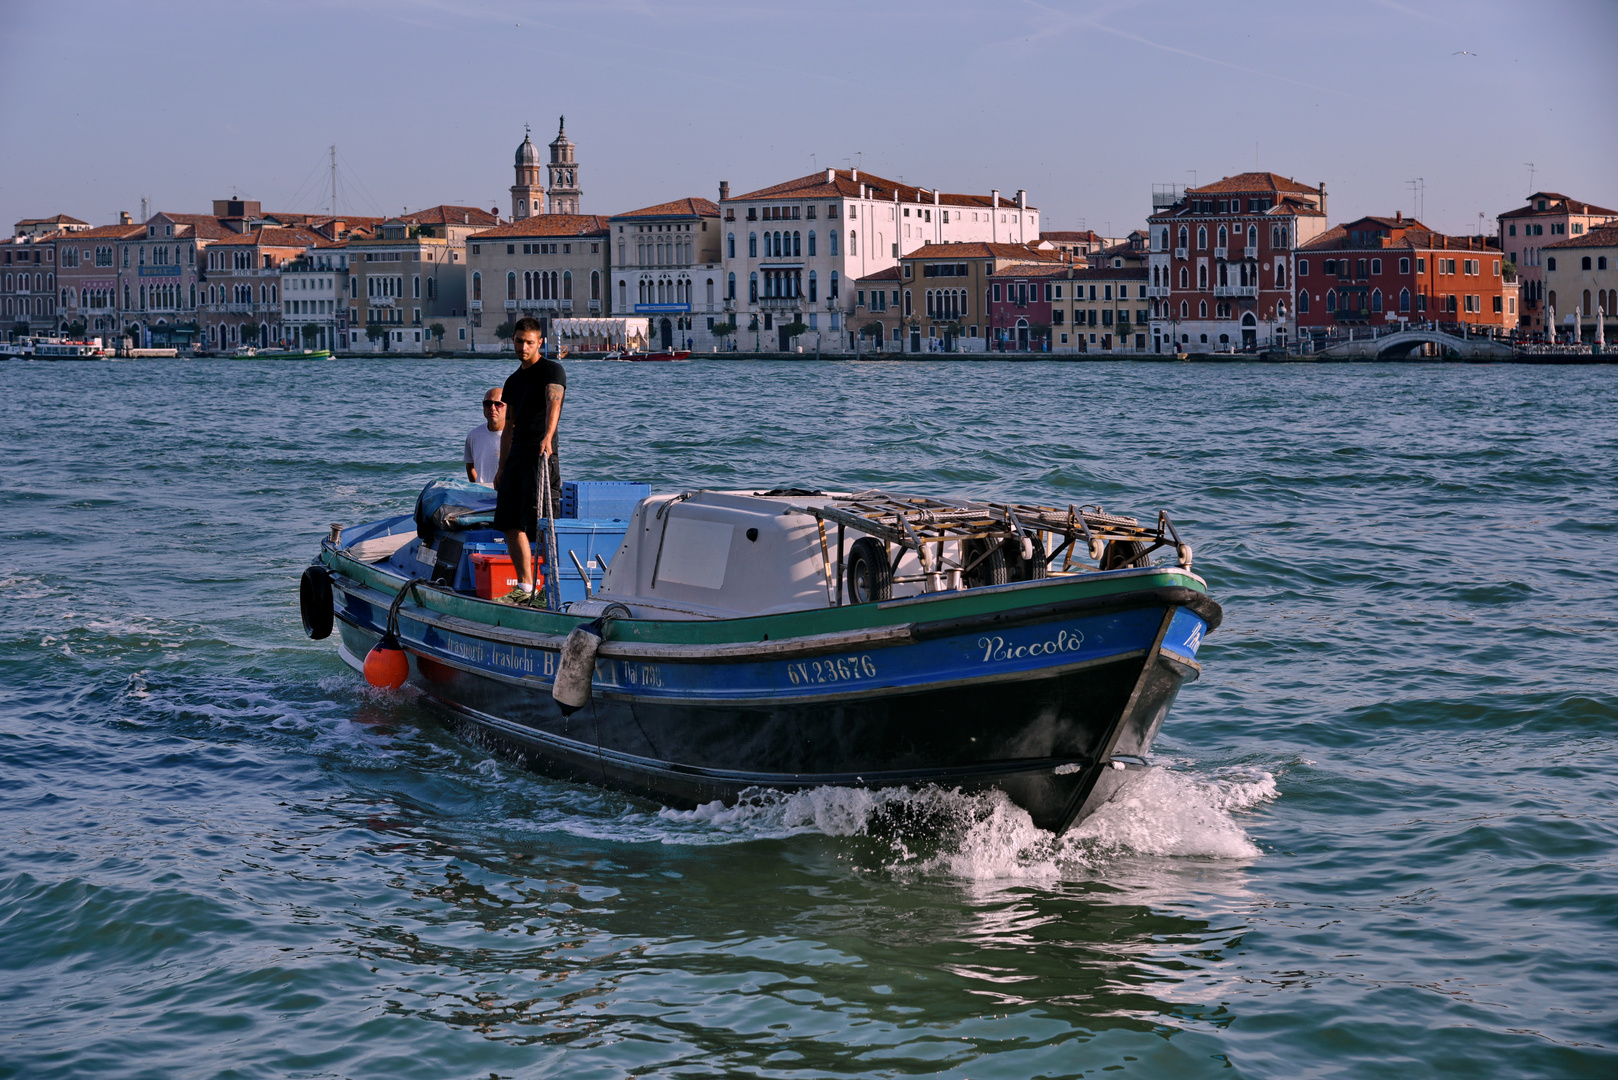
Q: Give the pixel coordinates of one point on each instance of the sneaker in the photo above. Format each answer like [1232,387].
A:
[516,596]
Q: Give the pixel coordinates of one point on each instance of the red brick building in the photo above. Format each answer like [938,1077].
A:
[1380,270]
[87,277]
[1221,261]
[243,284]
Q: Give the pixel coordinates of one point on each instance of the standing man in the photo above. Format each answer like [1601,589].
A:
[482,454]
[533,396]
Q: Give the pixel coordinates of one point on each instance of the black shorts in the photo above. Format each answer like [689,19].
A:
[517,499]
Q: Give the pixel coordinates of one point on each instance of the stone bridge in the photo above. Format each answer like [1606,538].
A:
[1401,343]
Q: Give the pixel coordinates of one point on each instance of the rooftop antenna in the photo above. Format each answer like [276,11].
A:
[814,162]
[1193,173]
[1480,222]
[1530,165]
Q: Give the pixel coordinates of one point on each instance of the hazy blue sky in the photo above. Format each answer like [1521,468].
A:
[1086,105]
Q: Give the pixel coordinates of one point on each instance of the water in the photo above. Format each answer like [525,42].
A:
[1381,841]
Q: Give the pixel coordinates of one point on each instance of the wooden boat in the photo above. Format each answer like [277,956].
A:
[790,639]
[640,357]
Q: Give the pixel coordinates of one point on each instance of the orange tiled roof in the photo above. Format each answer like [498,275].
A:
[203,226]
[59,219]
[1559,204]
[1414,237]
[452,215]
[982,249]
[1252,181]
[843,185]
[272,236]
[890,274]
[1600,236]
[691,207]
[1082,235]
[547,225]
[107,232]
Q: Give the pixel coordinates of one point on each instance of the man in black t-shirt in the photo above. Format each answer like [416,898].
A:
[533,396]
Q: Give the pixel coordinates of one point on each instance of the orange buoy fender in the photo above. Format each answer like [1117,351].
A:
[386,665]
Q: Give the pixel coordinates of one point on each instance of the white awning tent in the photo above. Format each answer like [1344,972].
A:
[615,332]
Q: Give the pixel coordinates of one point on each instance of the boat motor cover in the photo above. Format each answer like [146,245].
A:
[575,668]
[453,503]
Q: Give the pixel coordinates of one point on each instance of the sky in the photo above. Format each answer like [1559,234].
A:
[1087,105]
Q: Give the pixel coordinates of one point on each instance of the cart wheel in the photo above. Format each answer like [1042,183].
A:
[1032,568]
[869,575]
[991,571]
[1119,554]
[315,602]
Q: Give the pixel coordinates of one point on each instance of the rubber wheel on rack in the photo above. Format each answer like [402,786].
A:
[991,571]
[1119,554]
[870,578]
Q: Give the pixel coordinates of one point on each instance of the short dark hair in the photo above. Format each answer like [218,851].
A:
[527,323]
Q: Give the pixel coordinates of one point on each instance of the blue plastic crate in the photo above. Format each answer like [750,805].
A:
[601,500]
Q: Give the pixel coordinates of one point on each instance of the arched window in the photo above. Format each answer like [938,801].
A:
[775,245]
[1376,299]
[752,245]
[1202,238]
[1331,299]
[811,241]
[1252,236]
[1202,277]
[854,243]
[1303,301]
[814,288]
[1587,311]
[1550,263]
[1164,244]
[567,285]
[1183,235]
[752,288]
[831,241]
[832,294]
[1280,275]
[730,245]
[511,285]
[1404,299]
[710,292]
[1550,299]
[1223,236]
[730,287]
[595,284]
[642,291]
[1202,309]
[1185,278]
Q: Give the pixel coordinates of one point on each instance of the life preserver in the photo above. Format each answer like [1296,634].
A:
[315,602]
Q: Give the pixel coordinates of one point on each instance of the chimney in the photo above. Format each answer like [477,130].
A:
[123,218]
[994,198]
[1398,215]
[935,196]
[724,190]
[854,175]
[831,176]
[1022,199]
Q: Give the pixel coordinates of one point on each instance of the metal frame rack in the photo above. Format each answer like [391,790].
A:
[978,529]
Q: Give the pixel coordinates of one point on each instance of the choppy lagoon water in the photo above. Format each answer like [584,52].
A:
[1382,841]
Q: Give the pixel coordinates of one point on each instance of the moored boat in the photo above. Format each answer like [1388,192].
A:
[790,639]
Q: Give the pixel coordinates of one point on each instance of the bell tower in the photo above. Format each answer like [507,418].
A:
[565,194]
[527,196]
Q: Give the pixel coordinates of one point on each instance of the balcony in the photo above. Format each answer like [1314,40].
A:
[1157,291]
[1220,253]
[477,305]
[1246,291]
[1179,253]
[511,305]
[380,301]
[780,303]
[595,307]
[1250,251]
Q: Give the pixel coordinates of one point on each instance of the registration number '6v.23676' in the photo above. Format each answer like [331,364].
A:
[842,669]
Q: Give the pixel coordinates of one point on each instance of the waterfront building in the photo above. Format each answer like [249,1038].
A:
[240,299]
[1019,304]
[937,299]
[1221,261]
[1377,271]
[1581,283]
[162,278]
[1075,243]
[314,290]
[409,277]
[790,248]
[37,227]
[1103,307]
[87,278]
[28,284]
[666,267]
[550,266]
[1547,218]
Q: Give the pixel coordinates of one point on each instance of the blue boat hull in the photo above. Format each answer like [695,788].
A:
[1049,710]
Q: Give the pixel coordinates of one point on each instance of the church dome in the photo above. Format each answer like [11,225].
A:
[527,153]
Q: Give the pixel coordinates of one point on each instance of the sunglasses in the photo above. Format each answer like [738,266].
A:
[494,404]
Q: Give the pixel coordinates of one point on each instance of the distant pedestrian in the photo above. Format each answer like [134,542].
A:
[482,453]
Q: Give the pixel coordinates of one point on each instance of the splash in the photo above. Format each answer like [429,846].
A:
[1157,812]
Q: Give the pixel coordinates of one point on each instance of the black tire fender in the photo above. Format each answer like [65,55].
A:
[315,602]
[870,577]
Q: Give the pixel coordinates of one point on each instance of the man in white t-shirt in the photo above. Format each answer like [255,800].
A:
[482,455]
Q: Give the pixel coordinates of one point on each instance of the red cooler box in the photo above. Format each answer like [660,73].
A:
[493,575]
